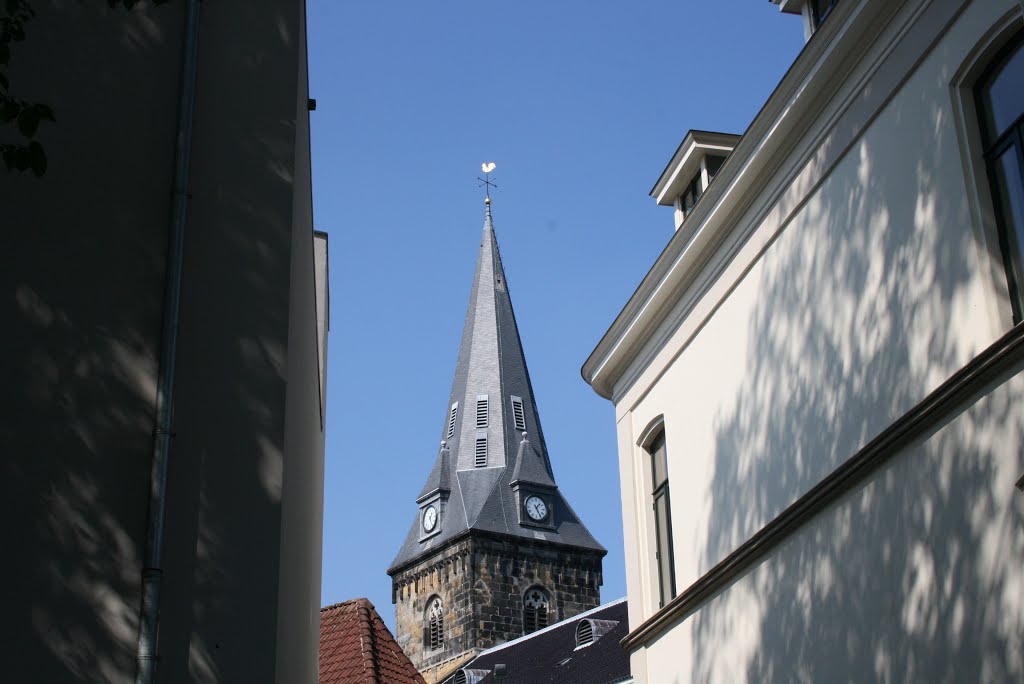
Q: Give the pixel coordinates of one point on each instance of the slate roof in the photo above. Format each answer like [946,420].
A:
[550,655]
[490,362]
[356,647]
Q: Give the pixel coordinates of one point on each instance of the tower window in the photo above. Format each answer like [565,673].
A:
[517,413]
[451,419]
[535,610]
[662,520]
[481,411]
[433,635]
[1001,109]
[481,451]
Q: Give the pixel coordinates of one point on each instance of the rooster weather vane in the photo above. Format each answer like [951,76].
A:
[486,181]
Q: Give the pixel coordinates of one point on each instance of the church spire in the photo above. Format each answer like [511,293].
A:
[487,468]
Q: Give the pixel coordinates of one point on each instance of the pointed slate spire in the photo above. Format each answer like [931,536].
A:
[490,406]
[439,479]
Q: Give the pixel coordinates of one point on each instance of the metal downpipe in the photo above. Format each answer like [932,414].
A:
[152,568]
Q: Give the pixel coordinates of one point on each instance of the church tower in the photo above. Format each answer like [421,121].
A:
[494,551]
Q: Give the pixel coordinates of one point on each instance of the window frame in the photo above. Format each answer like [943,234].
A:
[979,191]
[537,617]
[660,493]
[433,639]
[1013,137]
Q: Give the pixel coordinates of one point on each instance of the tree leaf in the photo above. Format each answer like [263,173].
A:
[5,54]
[44,111]
[4,83]
[9,110]
[37,158]
[12,6]
[22,158]
[28,121]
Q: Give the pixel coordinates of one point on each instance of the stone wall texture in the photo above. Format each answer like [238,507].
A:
[481,582]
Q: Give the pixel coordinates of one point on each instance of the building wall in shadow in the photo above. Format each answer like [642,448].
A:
[82,283]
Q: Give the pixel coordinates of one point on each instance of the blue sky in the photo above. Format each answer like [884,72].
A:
[580,104]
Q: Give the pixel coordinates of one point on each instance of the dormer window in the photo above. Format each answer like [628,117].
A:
[693,166]
[814,12]
[589,631]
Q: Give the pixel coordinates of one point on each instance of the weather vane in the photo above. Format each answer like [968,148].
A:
[486,181]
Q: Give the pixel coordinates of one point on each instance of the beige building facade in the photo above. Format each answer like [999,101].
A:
[817,386]
[87,257]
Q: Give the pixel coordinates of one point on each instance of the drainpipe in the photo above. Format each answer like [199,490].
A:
[152,569]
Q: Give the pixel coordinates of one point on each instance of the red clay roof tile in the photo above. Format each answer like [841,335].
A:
[356,647]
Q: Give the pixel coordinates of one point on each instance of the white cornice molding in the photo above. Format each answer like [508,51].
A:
[817,77]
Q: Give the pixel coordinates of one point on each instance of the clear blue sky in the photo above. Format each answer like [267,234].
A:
[581,104]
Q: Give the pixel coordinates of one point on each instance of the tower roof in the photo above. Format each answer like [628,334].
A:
[484,449]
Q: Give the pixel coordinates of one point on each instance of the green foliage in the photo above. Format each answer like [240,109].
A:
[26,153]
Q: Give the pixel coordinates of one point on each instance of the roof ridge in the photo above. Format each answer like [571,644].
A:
[345,603]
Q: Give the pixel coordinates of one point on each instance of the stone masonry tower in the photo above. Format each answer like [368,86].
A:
[494,551]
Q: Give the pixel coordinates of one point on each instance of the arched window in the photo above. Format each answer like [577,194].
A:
[1000,100]
[662,519]
[535,610]
[433,632]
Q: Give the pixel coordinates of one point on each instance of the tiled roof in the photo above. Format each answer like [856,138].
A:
[490,364]
[356,647]
[550,655]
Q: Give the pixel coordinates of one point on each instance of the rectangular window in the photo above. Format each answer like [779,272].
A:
[517,413]
[481,451]
[662,521]
[481,411]
[451,419]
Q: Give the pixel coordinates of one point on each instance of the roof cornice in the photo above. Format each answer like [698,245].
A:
[810,83]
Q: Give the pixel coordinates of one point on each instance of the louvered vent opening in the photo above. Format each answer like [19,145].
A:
[517,413]
[460,677]
[535,610]
[584,633]
[481,411]
[451,419]
[481,452]
[535,618]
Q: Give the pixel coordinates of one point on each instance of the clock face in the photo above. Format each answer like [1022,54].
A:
[429,518]
[536,508]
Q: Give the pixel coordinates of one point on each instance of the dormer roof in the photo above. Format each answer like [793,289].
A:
[685,163]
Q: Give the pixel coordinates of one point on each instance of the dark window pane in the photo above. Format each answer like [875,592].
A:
[659,467]
[821,9]
[1002,94]
[1009,191]
[664,531]
[713,163]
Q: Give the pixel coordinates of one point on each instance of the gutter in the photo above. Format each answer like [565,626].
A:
[152,569]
